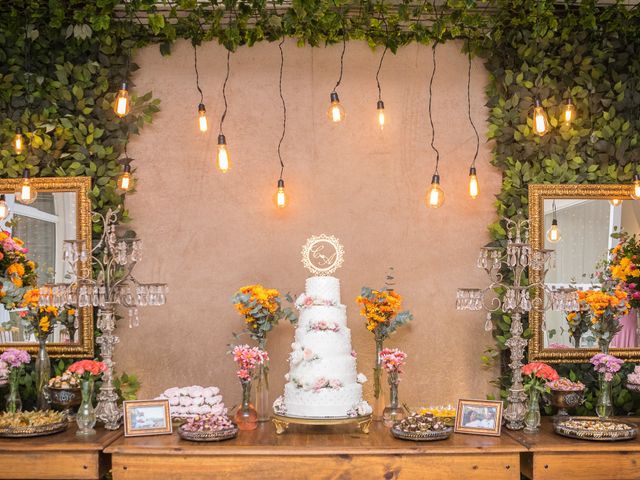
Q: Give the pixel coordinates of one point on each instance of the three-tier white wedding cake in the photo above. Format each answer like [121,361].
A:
[322,381]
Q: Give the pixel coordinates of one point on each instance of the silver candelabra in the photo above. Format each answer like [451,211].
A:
[510,292]
[114,258]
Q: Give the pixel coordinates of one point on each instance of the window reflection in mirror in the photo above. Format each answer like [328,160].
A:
[585,226]
[43,226]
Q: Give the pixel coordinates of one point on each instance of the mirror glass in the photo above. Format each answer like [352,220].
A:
[60,212]
[43,226]
[585,227]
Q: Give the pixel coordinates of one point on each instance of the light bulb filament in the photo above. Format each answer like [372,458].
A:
[474,189]
[25,191]
[202,118]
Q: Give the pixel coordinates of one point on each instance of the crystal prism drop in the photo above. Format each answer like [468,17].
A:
[488,324]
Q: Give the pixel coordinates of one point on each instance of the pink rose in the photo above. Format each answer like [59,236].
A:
[335,384]
[632,286]
[307,354]
[635,295]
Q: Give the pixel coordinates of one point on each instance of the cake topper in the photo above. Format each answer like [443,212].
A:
[322,254]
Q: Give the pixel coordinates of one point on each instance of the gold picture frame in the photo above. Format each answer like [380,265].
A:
[156,416]
[537,196]
[84,347]
[490,423]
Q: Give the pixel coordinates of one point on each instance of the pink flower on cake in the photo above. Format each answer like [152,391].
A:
[308,355]
[354,354]
[319,384]
[335,384]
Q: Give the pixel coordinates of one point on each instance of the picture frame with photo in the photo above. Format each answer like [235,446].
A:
[147,417]
[479,417]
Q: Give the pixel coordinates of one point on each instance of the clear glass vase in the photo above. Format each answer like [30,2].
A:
[246,416]
[393,412]
[532,417]
[86,416]
[604,405]
[379,403]
[13,402]
[263,407]
[43,375]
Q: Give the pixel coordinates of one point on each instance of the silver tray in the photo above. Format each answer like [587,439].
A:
[427,436]
[208,436]
[25,432]
[613,435]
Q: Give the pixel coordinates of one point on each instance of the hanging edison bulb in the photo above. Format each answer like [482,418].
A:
[381,117]
[568,112]
[635,194]
[121,105]
[224,162]
[125,180]
[26,193]
[281,196]
[435,195]
[336,111]
[474,188]
[615,202]
[553,234]
[540,119]
[202,118]
[4,208]
[18,141]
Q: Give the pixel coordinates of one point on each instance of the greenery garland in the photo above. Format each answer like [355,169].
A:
[61,62]
[591,55]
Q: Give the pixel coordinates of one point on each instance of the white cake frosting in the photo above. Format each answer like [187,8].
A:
[325,288]
[322,379]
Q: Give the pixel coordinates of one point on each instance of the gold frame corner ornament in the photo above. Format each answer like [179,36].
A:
[538,193]
[85,347]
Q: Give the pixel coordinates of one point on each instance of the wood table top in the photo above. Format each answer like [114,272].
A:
[65,441]
[549,441]
[314,440]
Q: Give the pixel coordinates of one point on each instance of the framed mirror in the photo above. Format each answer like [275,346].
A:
[586,216]
[61,211]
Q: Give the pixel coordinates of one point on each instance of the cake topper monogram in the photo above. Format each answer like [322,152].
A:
[322,254]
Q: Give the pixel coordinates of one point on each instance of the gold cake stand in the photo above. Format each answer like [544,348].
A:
[282,422]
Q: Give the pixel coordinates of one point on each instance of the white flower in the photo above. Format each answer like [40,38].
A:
[295,357]
[361,378]
[287,377]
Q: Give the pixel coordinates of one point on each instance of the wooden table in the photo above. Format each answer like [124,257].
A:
[551,456]
[317,453]
[60,456]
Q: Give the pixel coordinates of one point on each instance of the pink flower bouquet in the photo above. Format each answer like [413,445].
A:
[248,358]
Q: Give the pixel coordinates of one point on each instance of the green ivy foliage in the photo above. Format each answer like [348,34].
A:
[582,51]
[58,80]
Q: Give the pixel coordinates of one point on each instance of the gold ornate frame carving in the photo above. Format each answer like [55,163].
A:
[81,186]
[537,195]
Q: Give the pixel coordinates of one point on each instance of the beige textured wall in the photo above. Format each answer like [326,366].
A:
[207,234]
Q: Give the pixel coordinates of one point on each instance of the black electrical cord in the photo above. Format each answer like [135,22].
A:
[433,130]
[195,66]
[475,156]
[386,47]
[284,108]
[224,92]
[344,47]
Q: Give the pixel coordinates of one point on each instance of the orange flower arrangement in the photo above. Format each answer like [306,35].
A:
[604,309]
[261,310]
[381,309]
[378,307]
[603,304]
[16,272]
